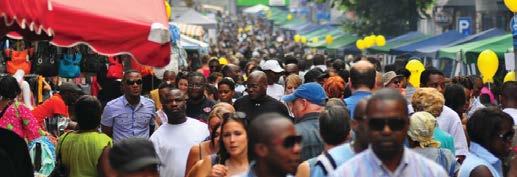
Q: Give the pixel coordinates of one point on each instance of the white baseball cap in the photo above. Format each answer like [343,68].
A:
[272,65]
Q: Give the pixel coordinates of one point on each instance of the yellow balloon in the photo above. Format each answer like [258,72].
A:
[511,4]
[416,68]
[360,44]
[315,40]
[289,17]
[329,39]
[304,40]
[167,9]
[297,38]
[248,28]
[369,41]
[380,40]
[223,61]
[510,76]
[240,30]
[487,65]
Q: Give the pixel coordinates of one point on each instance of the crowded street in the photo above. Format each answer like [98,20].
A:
[258,88]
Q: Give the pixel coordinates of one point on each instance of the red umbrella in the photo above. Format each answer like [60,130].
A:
[135,27]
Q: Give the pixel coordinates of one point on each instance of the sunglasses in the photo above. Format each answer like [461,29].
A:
[378,124]
[290,141]
[507,137]
[132,82]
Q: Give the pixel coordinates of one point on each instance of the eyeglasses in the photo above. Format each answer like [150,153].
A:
[132,82]
[235,115]
[290,141]
[507,137]
[378,124]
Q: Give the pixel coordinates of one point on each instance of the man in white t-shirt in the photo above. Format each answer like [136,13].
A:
[174,139]
[273,71]
[509,99]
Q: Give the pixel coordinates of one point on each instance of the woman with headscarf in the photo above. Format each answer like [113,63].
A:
[420,133]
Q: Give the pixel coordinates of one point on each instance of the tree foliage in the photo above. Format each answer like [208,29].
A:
[387,17]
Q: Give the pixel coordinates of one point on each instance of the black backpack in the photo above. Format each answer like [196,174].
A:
[45,61]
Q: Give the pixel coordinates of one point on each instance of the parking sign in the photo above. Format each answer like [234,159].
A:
[465,25]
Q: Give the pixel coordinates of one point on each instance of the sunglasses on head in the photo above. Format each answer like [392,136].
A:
[290,141]
[507,137]
[131,82]
[378,124]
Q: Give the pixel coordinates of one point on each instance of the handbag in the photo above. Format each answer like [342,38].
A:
[46,60]
[69,65]
[115,68]
[60,170]
[19,60]
[92,63]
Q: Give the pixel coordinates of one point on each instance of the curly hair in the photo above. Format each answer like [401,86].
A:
[429,100]
[335,87]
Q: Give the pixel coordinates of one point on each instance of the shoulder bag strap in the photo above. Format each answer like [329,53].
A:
[58,157]
[326,162]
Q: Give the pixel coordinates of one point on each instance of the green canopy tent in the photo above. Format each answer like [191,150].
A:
[499,44]
[293,23]
[399,41]
[321,34]
[342,41]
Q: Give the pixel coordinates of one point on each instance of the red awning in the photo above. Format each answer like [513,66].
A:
[138,28]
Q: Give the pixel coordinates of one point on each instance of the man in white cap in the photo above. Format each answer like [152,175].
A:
[273,71]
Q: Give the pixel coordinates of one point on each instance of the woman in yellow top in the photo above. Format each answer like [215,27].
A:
[84,152]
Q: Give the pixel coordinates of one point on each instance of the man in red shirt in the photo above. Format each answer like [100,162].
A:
[57,105]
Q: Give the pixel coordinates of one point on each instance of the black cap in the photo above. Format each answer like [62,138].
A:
[70,87]
[133,154]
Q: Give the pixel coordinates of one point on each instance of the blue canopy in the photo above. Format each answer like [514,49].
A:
[435,41]
[432,51]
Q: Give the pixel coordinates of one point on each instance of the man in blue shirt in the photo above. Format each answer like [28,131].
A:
[131,114]
[387,124]
[362,81]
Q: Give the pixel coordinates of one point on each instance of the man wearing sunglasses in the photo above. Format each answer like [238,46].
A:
[306,103]
[392,80]
[274,145]
[387,125]
[131,114]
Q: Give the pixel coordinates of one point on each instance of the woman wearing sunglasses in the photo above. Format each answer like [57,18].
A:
[490,131]
[211,145]
[232,158]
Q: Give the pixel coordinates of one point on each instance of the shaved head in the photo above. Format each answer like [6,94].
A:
[257,85]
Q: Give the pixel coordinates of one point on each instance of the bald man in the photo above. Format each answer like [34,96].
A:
[362,82]
[257,101]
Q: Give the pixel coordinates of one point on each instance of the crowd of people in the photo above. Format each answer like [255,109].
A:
[260,105]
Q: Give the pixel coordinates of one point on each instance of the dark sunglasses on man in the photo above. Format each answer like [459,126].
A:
[132,82]
[290,141]
[507,137]
[378,124]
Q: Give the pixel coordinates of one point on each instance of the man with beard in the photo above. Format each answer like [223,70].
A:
[131,114]
[257,101]
[274,145]
[198,105]
[387,123]
[174,139]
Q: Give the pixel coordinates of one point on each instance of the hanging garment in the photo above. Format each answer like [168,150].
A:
[115,68]
[19,60]
[69,65]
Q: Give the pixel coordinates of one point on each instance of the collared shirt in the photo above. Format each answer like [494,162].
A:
[352,101]
[368,164]
[340,154]
[251,171]
[512,112]
[480,156]
[308,127]
[127,120]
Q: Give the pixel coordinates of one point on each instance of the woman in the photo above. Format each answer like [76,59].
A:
[15,116]
[456,99]
[421,140]
[182,82]
[490,132]
[431,100]
[226,90]
[211,146]
[84,152]
[334,87]
[232,158]
[292,82]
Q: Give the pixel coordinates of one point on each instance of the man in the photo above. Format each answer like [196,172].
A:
[342,153]
[387,125]
[131,114]
[234,72]
[213,65]
[449,121]
[392,80]
[174,139]
[134,157]
[319,61]
[509,99]
[273,70]
[291,68]
[306,103]
[169,80]
[199,106]
[57,105]
[275,146]
[160,118]
[257,101]
[362,81]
